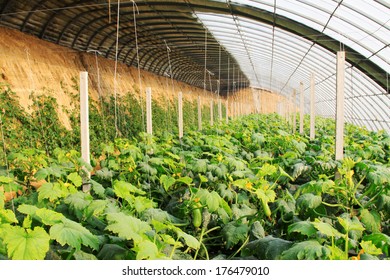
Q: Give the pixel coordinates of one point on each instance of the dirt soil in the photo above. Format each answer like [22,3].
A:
[29,64]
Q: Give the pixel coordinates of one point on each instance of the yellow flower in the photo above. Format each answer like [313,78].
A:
[248,185]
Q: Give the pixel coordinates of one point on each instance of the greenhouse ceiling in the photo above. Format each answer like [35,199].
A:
[226,45]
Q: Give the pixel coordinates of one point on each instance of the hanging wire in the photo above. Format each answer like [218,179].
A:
[205,62]
[117,133]
[32,85]
[96,52]
[136,11]
[172,82]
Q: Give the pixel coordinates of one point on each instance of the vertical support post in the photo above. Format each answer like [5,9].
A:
[199,114]
[84,123]
[340,105]
[149,125]
[312,108]
[180,120]
[219,109]
[294,110]
[301,108]
[211,112]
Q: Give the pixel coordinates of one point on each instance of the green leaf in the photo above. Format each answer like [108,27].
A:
[303,227]
[26,244]
[326,228]
[123,189]
[309,201]
[185,180]
[7,216]
[6,180]
[98,189]
[51,191]
[127,227]
[370,248]
[146,250]
[80,255]
[75,179]
[306,250]
[27,222]
[112,252]
[350,224]
[234,233]
[189,240]
[166,181]
[142,203]
[257,230]
[371,220]
[211,200]
[45,216]
[266,195]
[203,179]
[200,166]
[267,248]
[380,240]
[266,170]
[73,234]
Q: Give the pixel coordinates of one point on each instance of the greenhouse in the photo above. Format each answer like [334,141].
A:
[195,130]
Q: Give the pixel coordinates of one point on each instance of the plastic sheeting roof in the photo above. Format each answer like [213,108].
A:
[269,44]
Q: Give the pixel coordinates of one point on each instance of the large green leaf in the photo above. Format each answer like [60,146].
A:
[350,224]
[234,233]
[371,220]
[380,240]
[189,240]
[26,244]
[73,234]
[123,189]
[369,248]
[75,178]
[127,227]
[326,228]
[167,181]
[146,250]
[7,216]
[306,250]
[52,192]
[303,227]
[267,248]
[45,216]
[210,199]
[308,201]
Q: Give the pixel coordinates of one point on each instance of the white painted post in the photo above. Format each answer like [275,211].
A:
[340,105]
[149,125]
[211,112]
[294,110]
[301,108]
[199,114]
[219,109]
[180,100]
[84,123]
[312,108]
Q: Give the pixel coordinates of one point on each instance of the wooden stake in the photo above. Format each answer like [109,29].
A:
[312,108]
[340,105]
[180,121]
[84,124]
